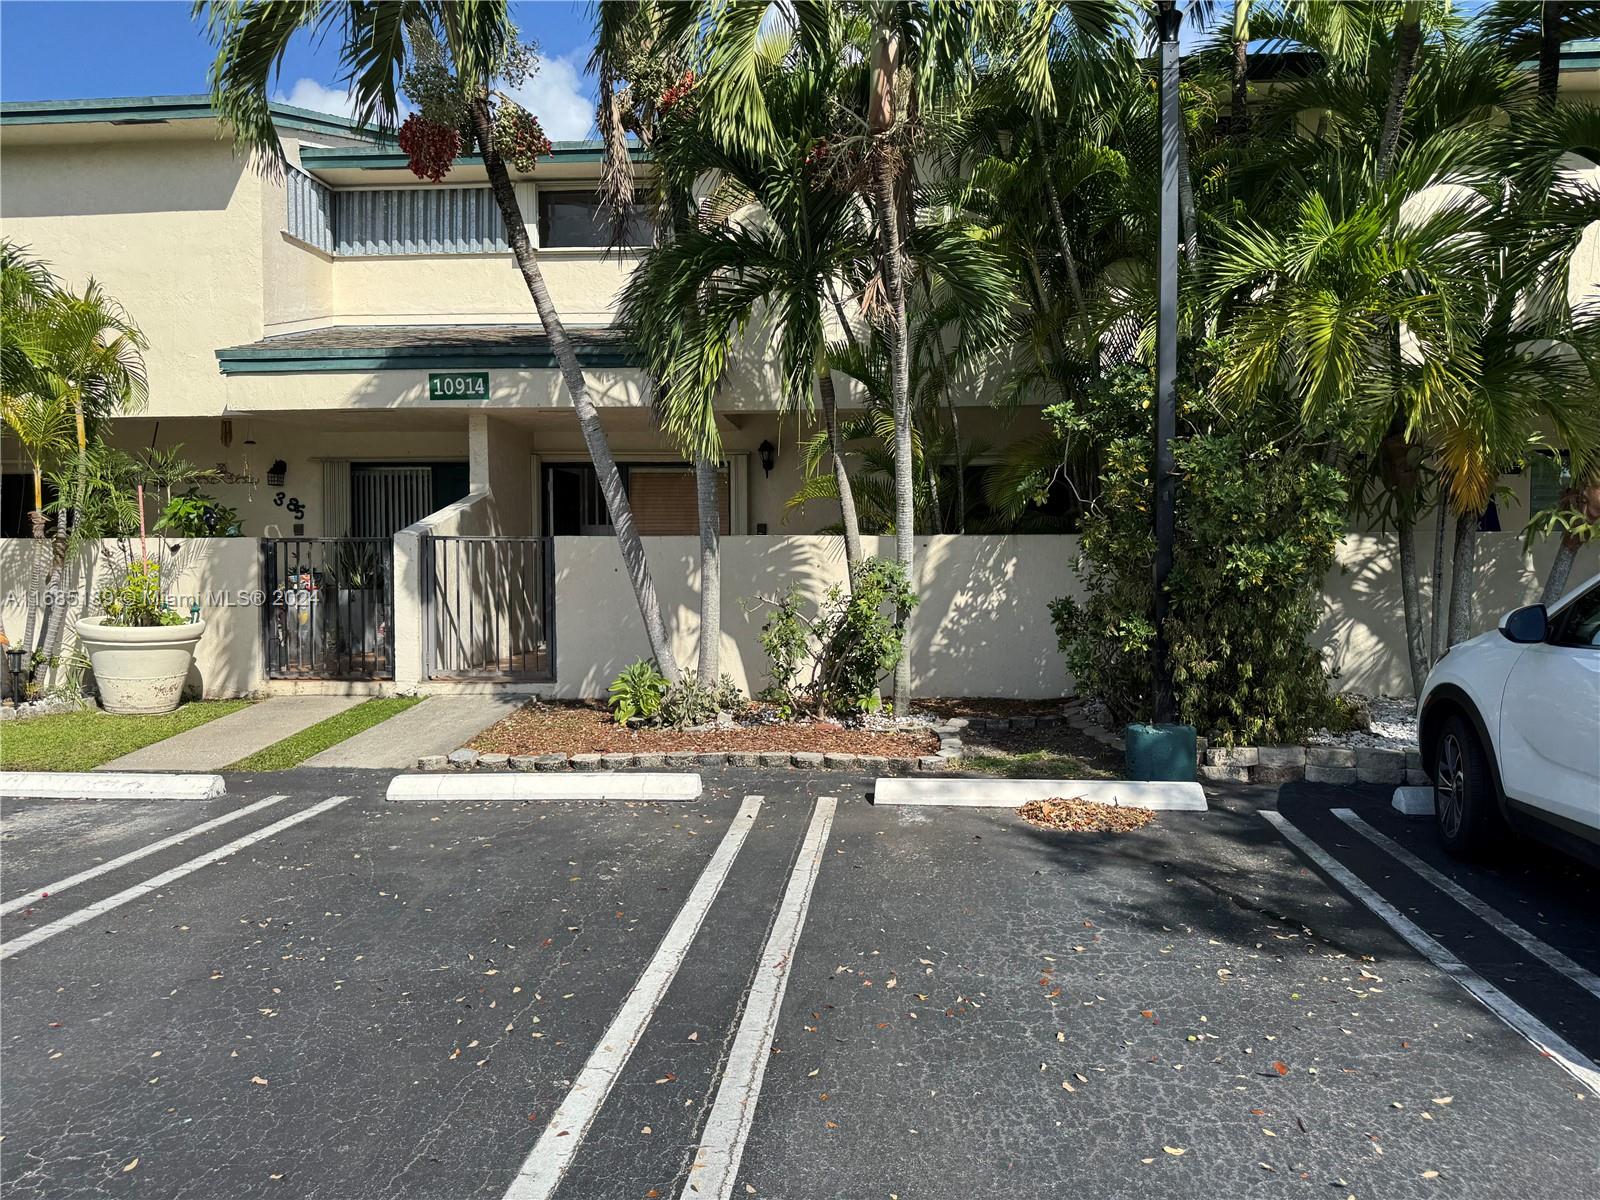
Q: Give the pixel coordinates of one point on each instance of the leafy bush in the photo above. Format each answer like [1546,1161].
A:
[690,702]
[195,514]
[1257,525]
[832,662]
[637,692]
[137,598]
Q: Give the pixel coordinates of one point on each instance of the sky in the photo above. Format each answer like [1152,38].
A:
[78,49]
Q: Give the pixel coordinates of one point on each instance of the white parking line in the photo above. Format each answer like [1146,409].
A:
[123,860]
[1544,952]
[84,915]
[734,1109]
[1544,1039]
[541,1172]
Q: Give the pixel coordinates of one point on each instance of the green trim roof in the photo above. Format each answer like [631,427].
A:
[361,348]
[142,110]
[384,158]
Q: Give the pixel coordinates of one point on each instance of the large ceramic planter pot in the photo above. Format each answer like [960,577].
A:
[139,669]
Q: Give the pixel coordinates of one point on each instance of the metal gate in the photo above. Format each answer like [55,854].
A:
[489,608]
[330,607]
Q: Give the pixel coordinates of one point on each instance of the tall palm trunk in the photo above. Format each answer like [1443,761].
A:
[841,477]
[41,557]
[1238,105]
[900,396]
[1411,599]
[1069,261]
[881,119]
[594,435]
[1436,597]
[1407,40]
[1550,35]
[54,629]
[1461,580]
[705,487]
[1585,501]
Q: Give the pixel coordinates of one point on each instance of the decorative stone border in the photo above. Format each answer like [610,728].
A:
[1314,764]
[948,758]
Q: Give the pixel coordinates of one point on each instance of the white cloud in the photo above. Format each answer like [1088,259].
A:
[308,93]
[556,95]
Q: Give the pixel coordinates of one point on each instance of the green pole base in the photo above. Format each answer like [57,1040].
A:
[1159,753]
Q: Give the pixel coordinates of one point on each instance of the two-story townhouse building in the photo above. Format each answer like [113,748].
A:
[346,323]
[355,353]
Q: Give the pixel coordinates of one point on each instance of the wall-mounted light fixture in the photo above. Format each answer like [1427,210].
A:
[769,455]
[276,473]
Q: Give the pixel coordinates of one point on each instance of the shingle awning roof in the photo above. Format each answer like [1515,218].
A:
[416,348]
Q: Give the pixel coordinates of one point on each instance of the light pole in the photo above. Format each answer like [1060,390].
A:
[1168,17]
[1164,750]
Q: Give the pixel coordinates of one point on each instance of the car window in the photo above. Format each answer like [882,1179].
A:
[1579,623]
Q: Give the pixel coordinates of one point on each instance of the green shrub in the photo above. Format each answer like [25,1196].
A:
[637,692]
[194,514]
[1257,525]
[138,599]
[690,702]
[832,662]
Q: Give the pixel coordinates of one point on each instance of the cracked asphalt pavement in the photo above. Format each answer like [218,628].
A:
[391,999]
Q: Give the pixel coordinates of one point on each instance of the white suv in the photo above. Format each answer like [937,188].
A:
[1509,727]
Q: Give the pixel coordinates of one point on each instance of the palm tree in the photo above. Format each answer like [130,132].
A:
[475,48]
[89,357]
[26,285]
[42,423]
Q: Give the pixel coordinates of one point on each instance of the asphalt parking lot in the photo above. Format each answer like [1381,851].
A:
[355,998]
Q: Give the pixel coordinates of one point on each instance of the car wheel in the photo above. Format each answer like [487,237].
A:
[1465,807]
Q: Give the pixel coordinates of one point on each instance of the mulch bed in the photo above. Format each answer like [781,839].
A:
[583,727]
[1081,816]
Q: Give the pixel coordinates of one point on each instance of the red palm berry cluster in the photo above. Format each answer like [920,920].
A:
[676,92]
[431,147]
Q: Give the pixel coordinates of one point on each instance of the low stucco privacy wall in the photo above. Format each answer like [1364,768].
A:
[222,574]
[1363,629]
[981,628]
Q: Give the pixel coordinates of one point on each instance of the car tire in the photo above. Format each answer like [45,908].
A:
[1466,809]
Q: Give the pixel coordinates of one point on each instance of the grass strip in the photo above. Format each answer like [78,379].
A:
[1033,764]
[82,741]
[314,739]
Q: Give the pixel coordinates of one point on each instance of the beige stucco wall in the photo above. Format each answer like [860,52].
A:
[981,628]
[171,227]
[473,288]
[1363,629]
[223,574]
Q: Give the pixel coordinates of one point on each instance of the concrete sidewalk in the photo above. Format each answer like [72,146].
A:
[222,742]
[438,725]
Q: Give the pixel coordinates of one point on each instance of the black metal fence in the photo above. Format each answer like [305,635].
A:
[489,607]
[330,607]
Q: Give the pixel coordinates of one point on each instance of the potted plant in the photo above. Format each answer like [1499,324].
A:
[140,650]
[357,570]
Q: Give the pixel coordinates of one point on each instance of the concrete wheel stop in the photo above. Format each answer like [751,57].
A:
[1158,796]
[111,785]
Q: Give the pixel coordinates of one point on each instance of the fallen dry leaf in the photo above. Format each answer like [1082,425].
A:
[259,1080]
[1175,1151]
[1074,815]
[130,1165]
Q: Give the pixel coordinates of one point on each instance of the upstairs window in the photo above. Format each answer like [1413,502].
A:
[582,218]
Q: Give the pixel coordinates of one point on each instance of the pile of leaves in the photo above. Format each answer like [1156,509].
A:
[1075,815]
